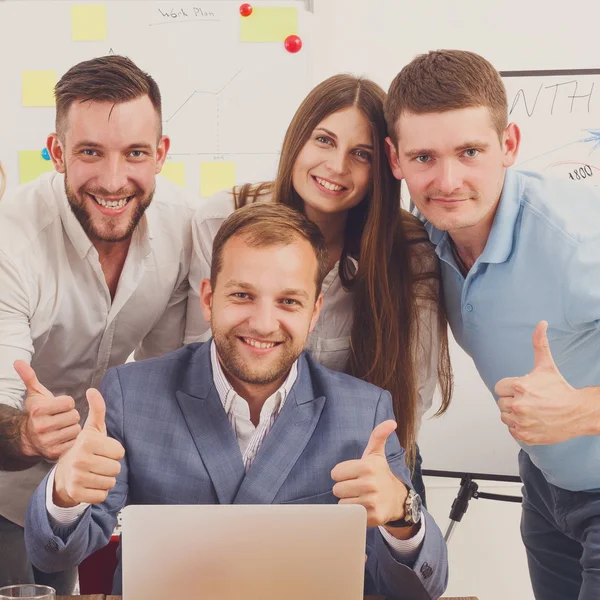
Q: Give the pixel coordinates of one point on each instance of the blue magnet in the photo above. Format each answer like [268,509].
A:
[45,154]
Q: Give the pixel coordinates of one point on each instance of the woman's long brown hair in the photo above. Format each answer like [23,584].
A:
[397,271]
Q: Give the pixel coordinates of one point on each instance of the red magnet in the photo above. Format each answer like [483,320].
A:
[292,43]
[246,10]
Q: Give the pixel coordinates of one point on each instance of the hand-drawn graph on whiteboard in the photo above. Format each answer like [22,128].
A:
[229,87]
[559,116]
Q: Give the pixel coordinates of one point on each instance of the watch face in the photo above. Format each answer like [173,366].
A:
[415,508]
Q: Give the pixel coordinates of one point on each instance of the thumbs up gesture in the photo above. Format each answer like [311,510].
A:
[88,471]
[541,407]
[369,480]
[52,423]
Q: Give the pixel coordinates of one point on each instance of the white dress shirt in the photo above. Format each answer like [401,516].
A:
[56,311]
[329,342]
[250,439]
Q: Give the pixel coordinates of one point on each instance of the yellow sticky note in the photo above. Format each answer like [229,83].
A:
[32,165]
[269,24]
[175,171]
[216,176]
[38,88]
[88,22]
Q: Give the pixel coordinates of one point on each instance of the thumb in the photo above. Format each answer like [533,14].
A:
[97,412]
[379,436]
[29,378]
[542,357]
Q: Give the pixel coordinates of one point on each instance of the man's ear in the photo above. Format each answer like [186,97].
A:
[206,296]
[161,152]
[392,156]
[511,140]
[56,151]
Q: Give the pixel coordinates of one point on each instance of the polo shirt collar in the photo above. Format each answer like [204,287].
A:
[502,236]
[501,239]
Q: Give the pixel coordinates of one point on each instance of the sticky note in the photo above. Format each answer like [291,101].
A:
[32,165]
[38,88]
[88,22]
[175,171]
[269,24]
[216,176]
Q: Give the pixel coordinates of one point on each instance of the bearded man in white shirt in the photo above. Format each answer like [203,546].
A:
[93,265]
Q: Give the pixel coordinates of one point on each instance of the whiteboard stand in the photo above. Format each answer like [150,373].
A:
[469,489]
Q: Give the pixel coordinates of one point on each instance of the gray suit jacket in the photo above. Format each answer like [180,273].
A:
[180,449]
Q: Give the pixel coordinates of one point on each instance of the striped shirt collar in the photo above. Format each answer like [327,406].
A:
[227,393]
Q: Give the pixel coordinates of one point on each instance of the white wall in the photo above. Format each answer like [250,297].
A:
[377,37]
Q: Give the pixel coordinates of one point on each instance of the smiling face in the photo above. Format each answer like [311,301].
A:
[110,156]
[332,173]
[454,164]
[262,309]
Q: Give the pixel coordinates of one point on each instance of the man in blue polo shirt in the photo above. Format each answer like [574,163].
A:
[520,262]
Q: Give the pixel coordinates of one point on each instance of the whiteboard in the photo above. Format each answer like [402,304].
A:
[223,99]
[558,112]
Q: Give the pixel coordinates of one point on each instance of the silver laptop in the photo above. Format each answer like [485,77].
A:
[249,552]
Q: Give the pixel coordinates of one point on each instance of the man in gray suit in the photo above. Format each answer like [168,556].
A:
[246,418]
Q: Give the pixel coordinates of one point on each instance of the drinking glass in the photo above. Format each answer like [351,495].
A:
[27,592]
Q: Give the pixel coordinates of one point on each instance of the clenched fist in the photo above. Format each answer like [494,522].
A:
[370,482]
[541,407]
[52,423]
[88,471]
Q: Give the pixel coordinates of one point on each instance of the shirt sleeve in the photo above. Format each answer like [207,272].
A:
[205,225]
[427,354]
[426,344]
[61,517]
[582,292]
[167,333]
[405,551]
[15,332]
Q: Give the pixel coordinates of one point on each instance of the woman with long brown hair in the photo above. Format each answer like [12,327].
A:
[382,318]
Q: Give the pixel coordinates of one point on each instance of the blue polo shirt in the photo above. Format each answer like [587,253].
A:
[541,262]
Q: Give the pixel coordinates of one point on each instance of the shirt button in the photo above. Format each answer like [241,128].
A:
[469,308]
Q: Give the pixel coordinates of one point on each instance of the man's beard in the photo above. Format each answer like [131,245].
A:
[77,202]
[234,364]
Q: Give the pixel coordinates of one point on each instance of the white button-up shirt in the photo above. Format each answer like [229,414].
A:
[56,310]
[249,437]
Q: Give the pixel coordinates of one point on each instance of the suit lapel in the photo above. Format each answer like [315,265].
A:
[284,444]
[209,427]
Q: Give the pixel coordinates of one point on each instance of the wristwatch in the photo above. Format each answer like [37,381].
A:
[412,511]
